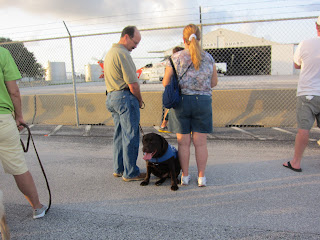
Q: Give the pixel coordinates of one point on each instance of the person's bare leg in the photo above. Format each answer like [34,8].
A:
[27,186]
[302,140]
[201,151]
[164,122]
[184,141]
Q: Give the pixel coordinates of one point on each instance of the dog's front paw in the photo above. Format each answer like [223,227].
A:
[144,183]
[162,180]
[174,188]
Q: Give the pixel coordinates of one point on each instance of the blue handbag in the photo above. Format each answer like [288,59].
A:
[172,96]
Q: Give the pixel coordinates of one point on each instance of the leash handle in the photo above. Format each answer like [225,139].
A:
[25,149]
[143,105]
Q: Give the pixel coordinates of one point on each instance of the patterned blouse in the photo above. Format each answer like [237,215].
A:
[193,82]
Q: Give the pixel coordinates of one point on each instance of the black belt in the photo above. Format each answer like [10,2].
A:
[6,108]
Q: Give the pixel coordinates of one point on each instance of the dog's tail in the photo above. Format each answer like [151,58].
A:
[5,233]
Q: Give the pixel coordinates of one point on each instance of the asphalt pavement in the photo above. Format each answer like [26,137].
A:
[249,195]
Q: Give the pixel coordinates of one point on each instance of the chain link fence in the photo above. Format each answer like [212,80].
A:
[63,77]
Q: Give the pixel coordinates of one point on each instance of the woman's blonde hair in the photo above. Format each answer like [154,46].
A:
[193,43]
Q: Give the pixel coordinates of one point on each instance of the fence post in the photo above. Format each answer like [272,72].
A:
[201,34]
[73,76]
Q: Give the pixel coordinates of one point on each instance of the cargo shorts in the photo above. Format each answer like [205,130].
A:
[308,110]
[11,153]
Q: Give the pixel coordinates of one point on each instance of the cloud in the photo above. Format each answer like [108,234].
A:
[71,8]
[96,16]
[249,29]
[313,7]
[212,15]
[82,9]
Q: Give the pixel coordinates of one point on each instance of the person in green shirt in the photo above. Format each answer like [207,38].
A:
[11,153]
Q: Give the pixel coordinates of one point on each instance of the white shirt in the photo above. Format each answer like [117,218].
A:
[307,55]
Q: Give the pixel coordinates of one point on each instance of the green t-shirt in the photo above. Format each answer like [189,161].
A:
[8,72]
[119,68]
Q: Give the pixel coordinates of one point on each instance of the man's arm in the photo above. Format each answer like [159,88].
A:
[14,93]
[129,73]
[135,90]
[297,57]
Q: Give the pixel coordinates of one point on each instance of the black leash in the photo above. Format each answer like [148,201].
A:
[25,149]
[142,107]
[141,130]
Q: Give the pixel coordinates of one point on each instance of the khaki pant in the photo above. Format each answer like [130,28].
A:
[11,153]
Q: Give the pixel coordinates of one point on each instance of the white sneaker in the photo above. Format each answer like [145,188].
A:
[185,180]
[40,212]
[202,181]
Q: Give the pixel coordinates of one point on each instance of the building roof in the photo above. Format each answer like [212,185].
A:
[224,38]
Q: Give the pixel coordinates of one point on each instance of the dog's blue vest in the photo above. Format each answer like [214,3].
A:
[171,152]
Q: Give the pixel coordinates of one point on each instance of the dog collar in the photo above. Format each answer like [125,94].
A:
[171,152]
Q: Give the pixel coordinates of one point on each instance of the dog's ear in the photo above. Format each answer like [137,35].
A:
[146,143]
[144,138]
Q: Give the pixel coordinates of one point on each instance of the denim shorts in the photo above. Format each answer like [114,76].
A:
[308,110]
[193,114]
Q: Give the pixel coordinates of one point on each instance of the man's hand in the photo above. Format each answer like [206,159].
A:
[135,90]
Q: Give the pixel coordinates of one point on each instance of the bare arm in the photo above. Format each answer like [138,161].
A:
[14,93]
[214,78]
[167,76]
[135,90]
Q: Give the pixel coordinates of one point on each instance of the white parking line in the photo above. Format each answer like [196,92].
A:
[249,133]
[283,130]
[316,129]
[291,133]
[211,136]
[55,130]
[87,130]
[25,130]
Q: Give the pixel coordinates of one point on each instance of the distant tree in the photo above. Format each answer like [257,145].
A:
[25,60]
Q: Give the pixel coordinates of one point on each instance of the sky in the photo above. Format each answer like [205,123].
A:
[40,19]
[34,19]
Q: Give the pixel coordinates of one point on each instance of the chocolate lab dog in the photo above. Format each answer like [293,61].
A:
[161,159]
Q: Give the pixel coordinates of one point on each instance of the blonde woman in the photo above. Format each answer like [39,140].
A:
[197,76]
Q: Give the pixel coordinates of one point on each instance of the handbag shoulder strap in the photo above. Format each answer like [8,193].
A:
[174,69]
[186,70]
